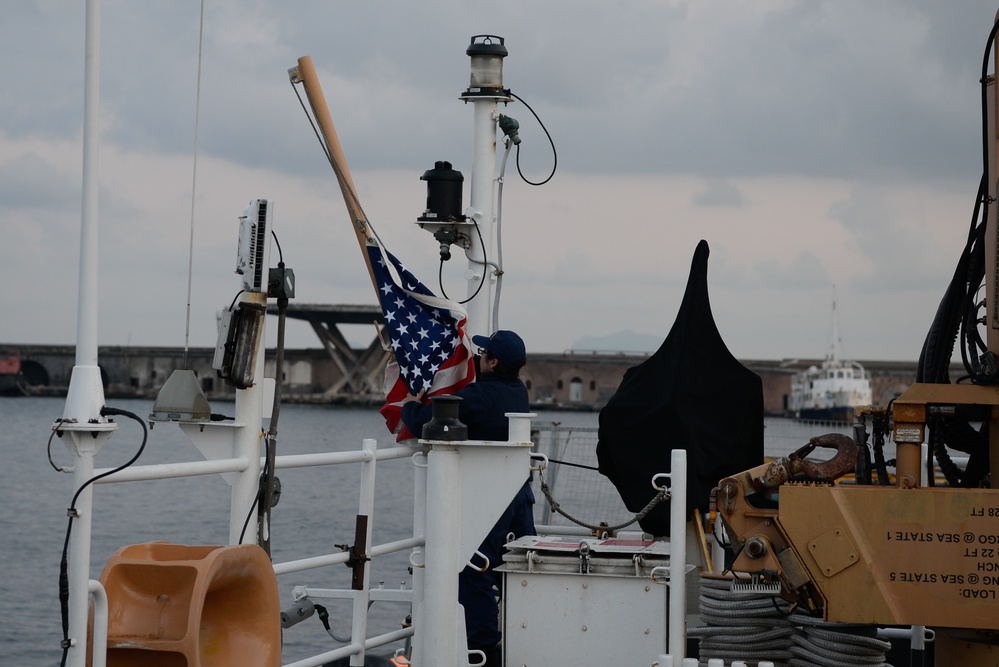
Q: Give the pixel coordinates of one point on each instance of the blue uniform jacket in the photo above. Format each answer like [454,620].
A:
[483,410]
[483,407]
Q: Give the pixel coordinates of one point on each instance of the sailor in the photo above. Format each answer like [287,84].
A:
[496,391]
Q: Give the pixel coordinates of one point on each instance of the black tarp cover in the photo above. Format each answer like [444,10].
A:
[691,394]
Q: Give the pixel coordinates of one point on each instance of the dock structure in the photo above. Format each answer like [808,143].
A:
[361,371]
[339,374]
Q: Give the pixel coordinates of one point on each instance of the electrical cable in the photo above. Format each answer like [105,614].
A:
[48,449]
[324,617]
[64,561]
[485,261]
[550,140]
[256,500]
[271,488]
[957,319]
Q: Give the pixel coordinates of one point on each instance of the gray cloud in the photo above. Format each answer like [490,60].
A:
[29,181]
[861,96]
[720,192]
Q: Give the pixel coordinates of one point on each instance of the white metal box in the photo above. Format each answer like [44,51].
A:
[571,601]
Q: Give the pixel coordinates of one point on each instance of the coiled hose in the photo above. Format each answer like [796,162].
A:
[756,625]
[820,644]
[742,625]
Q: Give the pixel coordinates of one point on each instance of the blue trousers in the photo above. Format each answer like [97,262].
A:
[478,591]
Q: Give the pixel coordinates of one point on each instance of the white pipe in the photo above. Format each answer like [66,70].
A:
[328,657]
[398,545]
[326,560]
[79,561]
[366,507]
[343,652]
[311,563]
[328,458]
[173,470]
[191,468]
[99,656]
[917,634]
[678,554]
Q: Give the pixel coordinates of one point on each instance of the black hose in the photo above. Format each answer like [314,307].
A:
[64,561]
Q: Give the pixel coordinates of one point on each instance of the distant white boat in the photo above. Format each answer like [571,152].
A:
[832,391]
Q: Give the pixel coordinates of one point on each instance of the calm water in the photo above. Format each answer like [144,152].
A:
[316,511]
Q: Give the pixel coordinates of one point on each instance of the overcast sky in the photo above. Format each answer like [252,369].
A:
[819,148]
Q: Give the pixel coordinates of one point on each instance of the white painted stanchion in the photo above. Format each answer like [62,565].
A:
[665,660]
[692,662]
[677,624]
[716,662]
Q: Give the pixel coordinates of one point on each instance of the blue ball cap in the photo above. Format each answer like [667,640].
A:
[505,345]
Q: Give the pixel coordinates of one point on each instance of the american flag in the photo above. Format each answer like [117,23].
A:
[433,352]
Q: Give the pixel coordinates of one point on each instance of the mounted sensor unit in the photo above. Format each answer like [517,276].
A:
[253,253]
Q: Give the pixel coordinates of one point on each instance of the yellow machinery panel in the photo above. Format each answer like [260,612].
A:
[890,556]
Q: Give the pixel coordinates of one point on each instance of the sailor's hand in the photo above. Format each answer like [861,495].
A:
[418,397]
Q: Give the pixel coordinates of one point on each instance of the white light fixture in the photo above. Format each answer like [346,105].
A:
[487,53]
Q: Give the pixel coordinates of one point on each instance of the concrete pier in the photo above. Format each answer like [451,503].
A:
[575,380]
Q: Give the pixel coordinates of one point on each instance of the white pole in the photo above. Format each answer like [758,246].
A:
[366,507]
[417,559]
[481,201]
[100,623]
[79,561]
[85,396]
[88,430]
[678,554]
[86,335]
[246,441]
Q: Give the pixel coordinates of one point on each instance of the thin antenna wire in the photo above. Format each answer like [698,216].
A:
[194,185]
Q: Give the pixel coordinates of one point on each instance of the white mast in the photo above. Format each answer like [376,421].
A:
[82,418]
[485,90]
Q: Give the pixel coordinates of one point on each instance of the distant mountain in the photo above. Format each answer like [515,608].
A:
[622,341]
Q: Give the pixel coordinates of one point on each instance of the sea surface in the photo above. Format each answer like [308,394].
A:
[315,512]
[316,509]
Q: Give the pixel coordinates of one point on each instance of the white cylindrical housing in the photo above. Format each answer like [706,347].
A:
[520,426]
[442,643]
[481,204]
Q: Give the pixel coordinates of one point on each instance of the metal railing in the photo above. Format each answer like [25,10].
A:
[367,457]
